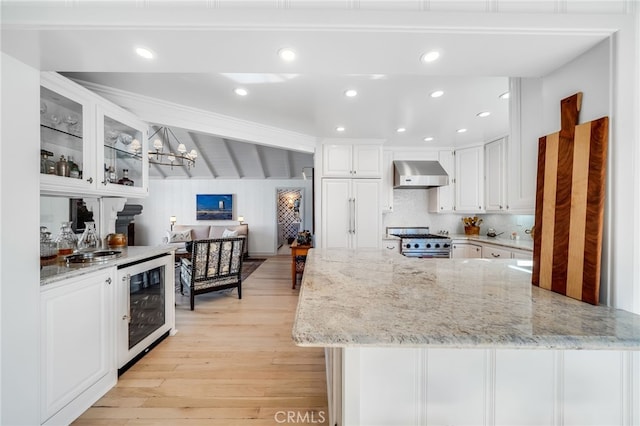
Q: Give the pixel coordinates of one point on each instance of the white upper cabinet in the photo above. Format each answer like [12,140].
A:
[495,175]
[442,198]
[81,134]
[469,185]
[356,161]
[522,148]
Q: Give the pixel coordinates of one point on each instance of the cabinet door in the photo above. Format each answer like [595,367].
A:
[522,150]
[367,161]
[387,182]
[494,173]
[336,213]
[442,198]
[118,132]
[77,339]
[491,252]
[66,130]
[469,179]
[337,161]
[366,214]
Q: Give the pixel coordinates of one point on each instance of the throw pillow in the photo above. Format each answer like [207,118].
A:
[179,236]
[229,233]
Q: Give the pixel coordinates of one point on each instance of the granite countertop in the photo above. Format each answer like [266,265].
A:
[374,298]
[60,271]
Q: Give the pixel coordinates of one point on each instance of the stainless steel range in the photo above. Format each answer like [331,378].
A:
[419,242]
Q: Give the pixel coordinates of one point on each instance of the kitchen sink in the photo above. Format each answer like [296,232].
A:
[93,256]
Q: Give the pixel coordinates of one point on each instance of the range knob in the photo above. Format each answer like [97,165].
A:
[437,245]
[428,245]
[408,245]
[416,245]
[446,245]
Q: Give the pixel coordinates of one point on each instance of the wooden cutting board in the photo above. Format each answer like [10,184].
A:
[570,193]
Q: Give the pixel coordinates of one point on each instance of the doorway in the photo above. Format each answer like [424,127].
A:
[290,214]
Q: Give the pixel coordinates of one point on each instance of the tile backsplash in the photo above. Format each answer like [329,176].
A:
[411,208]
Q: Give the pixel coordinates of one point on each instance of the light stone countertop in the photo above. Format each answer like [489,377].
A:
[376,298]
[60,271]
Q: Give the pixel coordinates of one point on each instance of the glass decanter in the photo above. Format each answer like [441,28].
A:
[89,239]
[66,241]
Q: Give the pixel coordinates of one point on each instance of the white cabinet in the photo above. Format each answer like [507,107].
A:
[356,161]
[77,351]
[469,171]
[465,251]
[386,194]
[92,132]
[495,175]
[442,198]
[522,150]
[351,213]
[391,246]
[493,252]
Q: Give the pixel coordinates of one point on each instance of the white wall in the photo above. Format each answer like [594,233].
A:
[253,199]
[19,248]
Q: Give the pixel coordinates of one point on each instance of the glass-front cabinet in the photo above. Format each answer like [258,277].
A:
[89,146]
[125,169]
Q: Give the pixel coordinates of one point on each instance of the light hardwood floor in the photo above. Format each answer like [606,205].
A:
[232,363]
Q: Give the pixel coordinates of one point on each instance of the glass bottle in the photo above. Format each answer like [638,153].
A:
[74,170]
[125,178]
[112,175]
[89,240]
[47,166]
[48,248]
[66,241]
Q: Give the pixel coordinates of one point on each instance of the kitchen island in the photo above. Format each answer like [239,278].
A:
[458,341]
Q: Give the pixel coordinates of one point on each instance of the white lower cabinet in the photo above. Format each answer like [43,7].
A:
[492,252]
[494,387]
[77,354]
[465,251]
[392,246]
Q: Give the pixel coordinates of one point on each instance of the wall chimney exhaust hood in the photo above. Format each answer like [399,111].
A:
[418,174]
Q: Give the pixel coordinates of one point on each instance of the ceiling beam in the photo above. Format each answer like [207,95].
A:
[259,155]
[201,154]
[232,157]
[288,164]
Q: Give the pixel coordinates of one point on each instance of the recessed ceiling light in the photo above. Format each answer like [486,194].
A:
[505,95]
[401,130]
[241,92]
[144,52]
[461,130]
[339,129]
[483,114]
[287,54]
[436,94]
[430,56]
[428,139]
[350,93]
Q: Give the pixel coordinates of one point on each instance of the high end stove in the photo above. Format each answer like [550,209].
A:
[419,242]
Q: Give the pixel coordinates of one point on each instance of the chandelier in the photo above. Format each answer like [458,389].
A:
[161,153]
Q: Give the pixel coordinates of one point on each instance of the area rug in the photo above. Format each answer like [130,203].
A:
[249,265]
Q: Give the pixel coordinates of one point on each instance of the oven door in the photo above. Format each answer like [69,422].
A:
[146,299]
[435,254]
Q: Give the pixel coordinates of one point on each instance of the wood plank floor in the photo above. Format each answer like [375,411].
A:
[232,363]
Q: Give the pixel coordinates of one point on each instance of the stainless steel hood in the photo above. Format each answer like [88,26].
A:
[418,174]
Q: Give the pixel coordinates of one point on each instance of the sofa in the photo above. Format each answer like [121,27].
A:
[181,234]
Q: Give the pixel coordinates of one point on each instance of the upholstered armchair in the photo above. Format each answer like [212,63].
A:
[215,264]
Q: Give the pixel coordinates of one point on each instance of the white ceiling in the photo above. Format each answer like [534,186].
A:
[205,49]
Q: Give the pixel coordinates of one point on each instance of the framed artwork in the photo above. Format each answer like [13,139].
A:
[214,207]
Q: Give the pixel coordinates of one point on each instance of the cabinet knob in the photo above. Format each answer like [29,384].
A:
[500,207]
[104,182]
[108,280]
[90,180]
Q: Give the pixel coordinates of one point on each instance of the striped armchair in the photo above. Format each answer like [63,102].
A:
[215,264]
